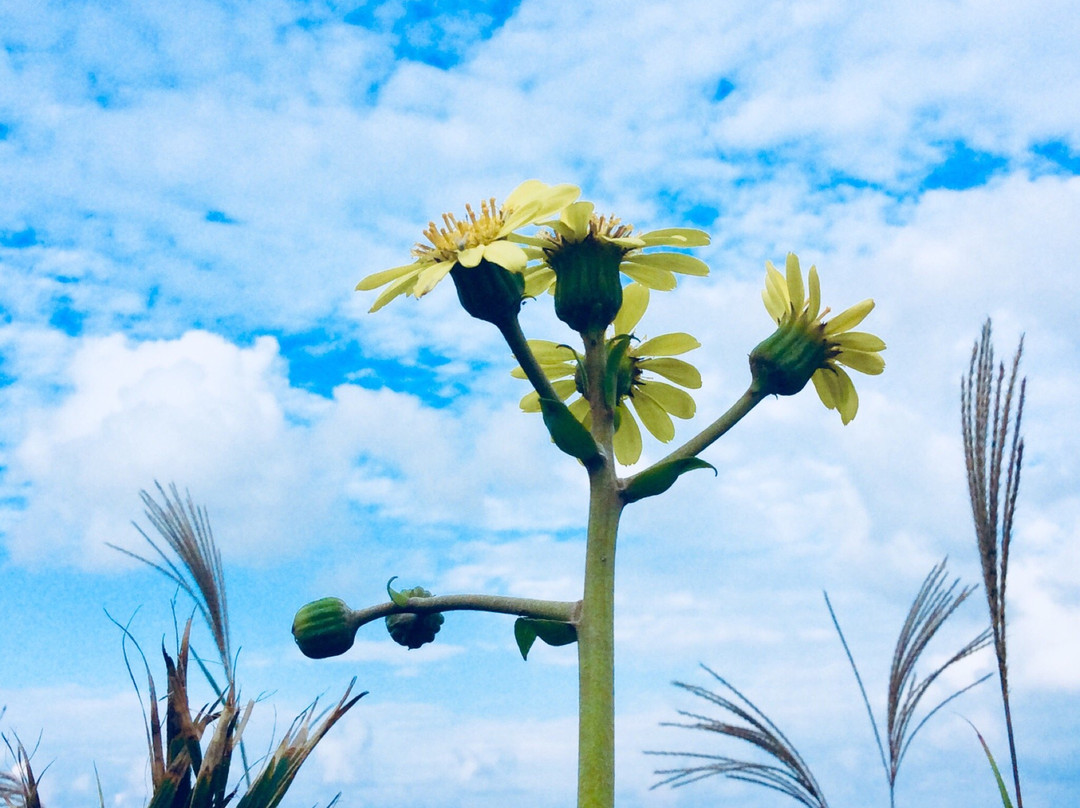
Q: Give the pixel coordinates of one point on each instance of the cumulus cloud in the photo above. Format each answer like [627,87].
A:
[181,186]
[273,464]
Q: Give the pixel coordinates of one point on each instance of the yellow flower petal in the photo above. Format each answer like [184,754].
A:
[848,319]
[676,370]
[635,299]
[814,306]
[471,256]
[430,277]
[558,370]
[580,410]
[848,400]
[671,261]
[676,237]
[675,401]
[538,281]
[863,361]
[824,391]
[509,256]
[773,305]
[659,279]
[777,302]
[627,441]
[534,200]
[796,292]
[377,279]
[564,388]
[399,287]
[626,242]
[653,417]
[667,345]
[549,353]
[526,193]
[575,218]
[530,402]
[859,341]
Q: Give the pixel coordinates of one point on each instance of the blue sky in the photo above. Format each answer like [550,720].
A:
[190,196]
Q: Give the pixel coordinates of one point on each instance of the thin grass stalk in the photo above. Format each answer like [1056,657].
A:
[932,606]
[989,426]
[186,530]
[792,776]
[859,681]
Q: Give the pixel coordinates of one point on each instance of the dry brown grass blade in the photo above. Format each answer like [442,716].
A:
[186,530]
[19,790]
[932,606]
[270,787]
[992,443]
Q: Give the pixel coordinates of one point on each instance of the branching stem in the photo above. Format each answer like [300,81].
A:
[519,346]
[563,611]
[697,444]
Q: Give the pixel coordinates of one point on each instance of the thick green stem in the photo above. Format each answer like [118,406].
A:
[596,625]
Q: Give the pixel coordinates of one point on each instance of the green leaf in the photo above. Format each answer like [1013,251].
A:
[552,632]
[399,598]
[1005,801]
[525,635]
[618,348]
[659,478]
[567,431]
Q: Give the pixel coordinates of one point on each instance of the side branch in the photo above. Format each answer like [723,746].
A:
[562,611]
[697,444]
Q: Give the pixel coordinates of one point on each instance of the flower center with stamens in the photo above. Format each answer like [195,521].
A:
[456,235]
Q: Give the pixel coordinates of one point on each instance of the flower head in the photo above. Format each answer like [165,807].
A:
[652,400]
[806,347]
[578,223]
[487,235]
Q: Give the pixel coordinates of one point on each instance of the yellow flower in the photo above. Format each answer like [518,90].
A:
[484,236]
[807,347]
[578,223]
[654,401]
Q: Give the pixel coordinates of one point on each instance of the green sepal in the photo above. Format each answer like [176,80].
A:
[398,598]
[567,431]
[552,632]
[661,477]
[618,349]
[488,291]
[408,628]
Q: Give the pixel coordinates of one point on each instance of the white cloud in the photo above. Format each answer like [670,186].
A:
[218,418]
[330,157]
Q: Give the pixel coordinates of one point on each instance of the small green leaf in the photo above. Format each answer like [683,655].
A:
[399,598]
[525,635]
[659,478]
[567,432]
[555,632]
[552,632]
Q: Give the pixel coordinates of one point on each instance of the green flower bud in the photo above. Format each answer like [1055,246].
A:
[783,363]
[588,286]
[324,628]
[488,291]
[414,630]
